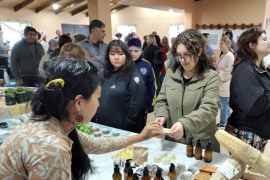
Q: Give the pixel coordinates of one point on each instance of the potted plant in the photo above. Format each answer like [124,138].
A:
[28,94]
[10,98]
[20,95]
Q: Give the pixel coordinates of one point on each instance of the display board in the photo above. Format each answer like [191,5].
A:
[215,36]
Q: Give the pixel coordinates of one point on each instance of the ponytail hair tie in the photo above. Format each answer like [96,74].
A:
[59,80]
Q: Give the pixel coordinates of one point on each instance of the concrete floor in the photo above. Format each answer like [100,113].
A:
[151,117]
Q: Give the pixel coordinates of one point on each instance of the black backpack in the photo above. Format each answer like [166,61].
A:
[158,58]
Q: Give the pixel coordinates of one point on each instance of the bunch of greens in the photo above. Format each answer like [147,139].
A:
[85,129]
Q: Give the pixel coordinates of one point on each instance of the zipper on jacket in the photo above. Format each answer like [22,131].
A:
[183,92]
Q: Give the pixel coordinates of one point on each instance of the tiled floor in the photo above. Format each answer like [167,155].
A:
[151,117]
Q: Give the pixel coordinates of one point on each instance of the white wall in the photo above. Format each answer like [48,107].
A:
[146,20]
[44,20]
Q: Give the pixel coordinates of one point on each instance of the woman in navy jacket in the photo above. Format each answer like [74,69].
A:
[250,90]
[123,95]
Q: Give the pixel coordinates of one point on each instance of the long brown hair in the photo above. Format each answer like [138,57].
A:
[194,42]
[72,50]
[244,52]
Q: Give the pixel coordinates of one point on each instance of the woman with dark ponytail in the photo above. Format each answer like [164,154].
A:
[48,146]
[188,99]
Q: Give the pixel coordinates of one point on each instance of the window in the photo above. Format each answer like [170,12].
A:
[125,29]
[13,30]
[175,29]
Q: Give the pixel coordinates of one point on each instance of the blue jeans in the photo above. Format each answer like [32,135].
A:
[224,110]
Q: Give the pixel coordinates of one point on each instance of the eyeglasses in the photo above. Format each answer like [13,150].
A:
[185,57]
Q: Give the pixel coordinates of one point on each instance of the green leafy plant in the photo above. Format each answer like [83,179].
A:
[9,94]
[28,90]
[20,91]
[10,90]
[85,129]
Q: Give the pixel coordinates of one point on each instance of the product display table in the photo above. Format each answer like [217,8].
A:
[14,110]
[103,163]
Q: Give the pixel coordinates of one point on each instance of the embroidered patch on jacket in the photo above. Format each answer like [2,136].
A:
[137,80]
[113,87]
[143,71]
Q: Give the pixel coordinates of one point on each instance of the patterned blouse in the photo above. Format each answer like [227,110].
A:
[42,150]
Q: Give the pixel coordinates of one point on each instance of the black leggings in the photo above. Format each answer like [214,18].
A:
[4,62]
[30,81]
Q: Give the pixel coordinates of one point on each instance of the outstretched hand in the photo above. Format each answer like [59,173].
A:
[160,120]
[177,131]
[151,130]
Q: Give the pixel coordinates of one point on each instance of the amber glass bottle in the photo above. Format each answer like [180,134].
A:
[208,154]
[198,150]
[116,175]
[127,165]
[130,174]
[158,175]
[190,149]
[146,174]
[172,174]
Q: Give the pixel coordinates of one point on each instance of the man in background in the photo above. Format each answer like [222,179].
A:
[208,47]
[93,46]
[58,34]
[25,57]
[233,43]
[4,48]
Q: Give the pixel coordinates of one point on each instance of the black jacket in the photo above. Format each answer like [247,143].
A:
[148,53]
[122,102]
[250,99]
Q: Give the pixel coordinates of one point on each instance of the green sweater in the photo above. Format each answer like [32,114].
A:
[23,62]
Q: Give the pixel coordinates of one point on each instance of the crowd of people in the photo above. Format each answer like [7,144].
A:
[117,84]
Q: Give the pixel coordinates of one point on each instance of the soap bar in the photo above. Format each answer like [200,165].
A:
[166,130]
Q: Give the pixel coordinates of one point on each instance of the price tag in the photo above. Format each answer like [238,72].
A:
[228,170]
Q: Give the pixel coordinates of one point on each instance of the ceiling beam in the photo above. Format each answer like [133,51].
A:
[80,9]
[118,8]
[22,4]
[68,6]
[45,5]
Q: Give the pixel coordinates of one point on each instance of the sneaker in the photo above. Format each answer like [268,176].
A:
[221,125]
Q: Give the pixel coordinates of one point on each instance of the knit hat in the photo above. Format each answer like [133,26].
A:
[134,42]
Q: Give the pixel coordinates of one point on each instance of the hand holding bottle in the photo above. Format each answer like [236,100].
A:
[177,131]
[160,120]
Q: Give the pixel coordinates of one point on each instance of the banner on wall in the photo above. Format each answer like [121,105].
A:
[215,36]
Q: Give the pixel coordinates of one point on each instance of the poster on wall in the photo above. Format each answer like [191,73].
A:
[215,36]
[236,34]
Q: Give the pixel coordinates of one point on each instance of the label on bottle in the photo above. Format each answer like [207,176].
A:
[228,170]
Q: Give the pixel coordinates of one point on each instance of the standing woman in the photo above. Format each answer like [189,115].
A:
[250,90]
[188,100]
[148,54]
[224,68]
[123,95]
